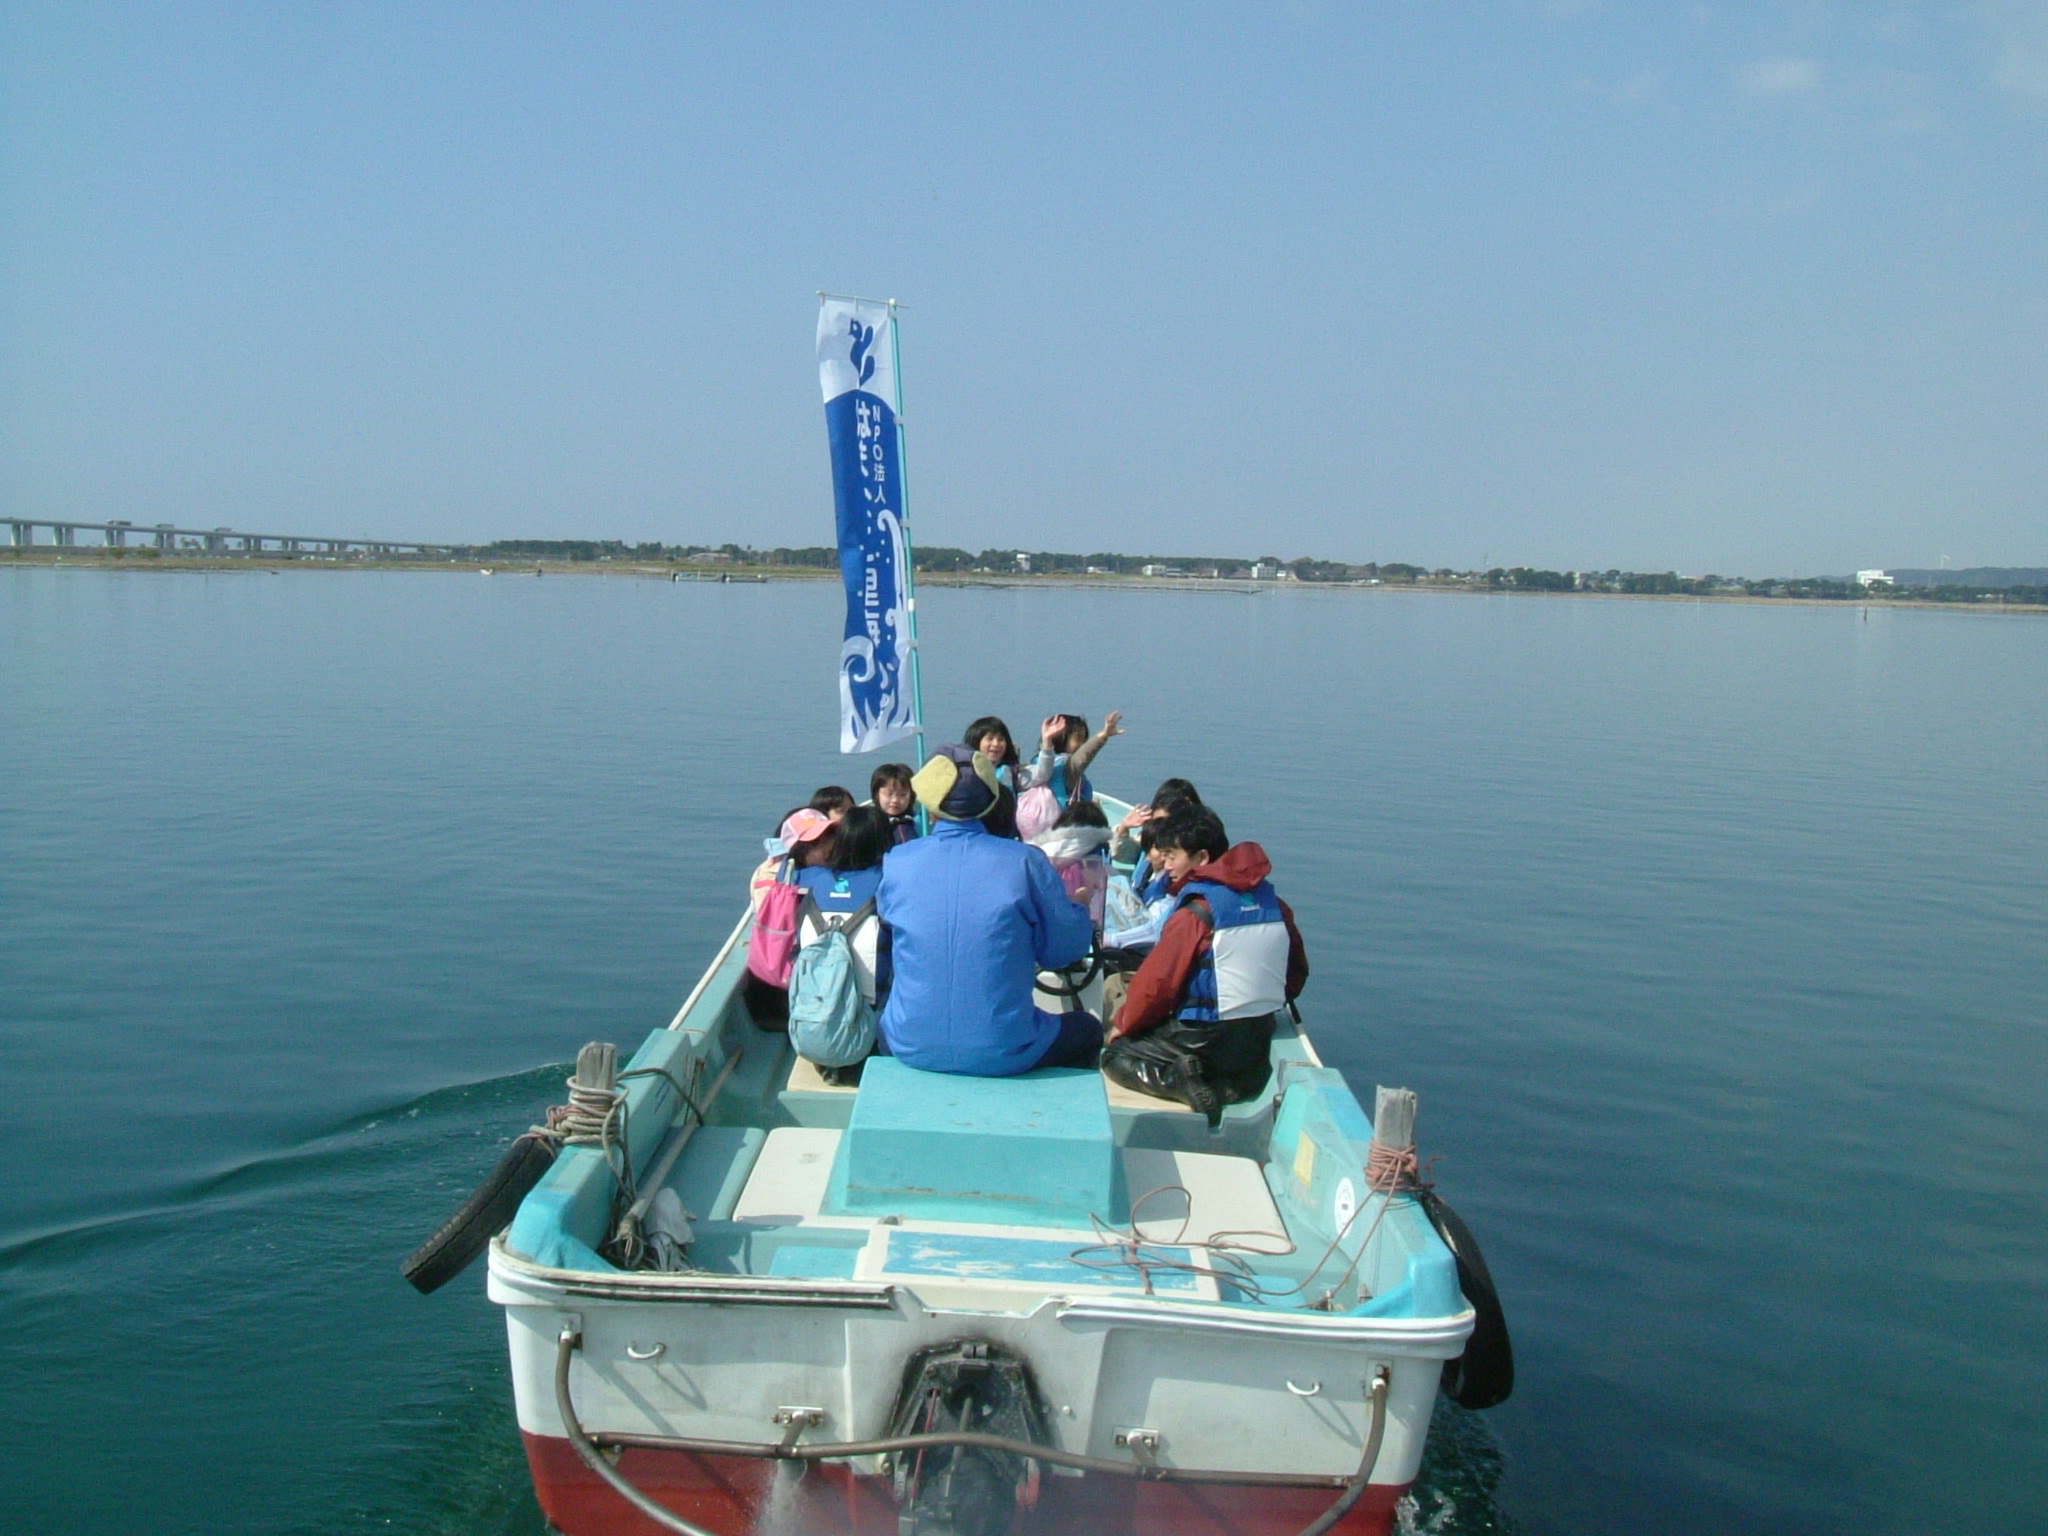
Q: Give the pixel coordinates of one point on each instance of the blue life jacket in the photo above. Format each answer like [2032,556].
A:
[1242,973]
[839,891]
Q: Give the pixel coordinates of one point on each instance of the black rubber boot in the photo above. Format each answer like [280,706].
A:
[1198,1095]
[1165,1073]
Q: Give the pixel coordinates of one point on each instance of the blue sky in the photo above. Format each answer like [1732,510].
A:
[1744,288]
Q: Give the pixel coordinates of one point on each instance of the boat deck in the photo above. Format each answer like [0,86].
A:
[991,1193]
[774,1192]
[986,1194]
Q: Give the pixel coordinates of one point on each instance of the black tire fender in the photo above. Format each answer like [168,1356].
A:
[1485,1374]
[484,1214]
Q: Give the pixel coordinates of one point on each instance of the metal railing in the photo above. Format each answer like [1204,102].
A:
[591,1448]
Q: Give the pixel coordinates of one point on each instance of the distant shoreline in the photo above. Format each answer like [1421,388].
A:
[89,558]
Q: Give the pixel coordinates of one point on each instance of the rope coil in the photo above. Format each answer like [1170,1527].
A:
[595,1115]
[1390,1171]
[1393,1170]
[596,1102]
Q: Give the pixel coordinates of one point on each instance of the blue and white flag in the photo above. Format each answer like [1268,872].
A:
[857,367]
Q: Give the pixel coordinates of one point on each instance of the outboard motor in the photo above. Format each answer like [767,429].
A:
[966,1490]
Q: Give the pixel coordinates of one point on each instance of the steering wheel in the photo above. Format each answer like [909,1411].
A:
[1066,983]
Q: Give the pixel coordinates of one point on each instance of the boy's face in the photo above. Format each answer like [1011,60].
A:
[1179,863]
[893,798]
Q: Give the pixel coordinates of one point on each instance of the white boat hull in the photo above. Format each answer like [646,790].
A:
[1223,1394]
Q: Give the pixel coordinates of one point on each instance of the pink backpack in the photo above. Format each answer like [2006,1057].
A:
[1037,809]
[1040,806]
[771,950]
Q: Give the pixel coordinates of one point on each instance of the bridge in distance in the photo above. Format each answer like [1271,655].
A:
[171,539]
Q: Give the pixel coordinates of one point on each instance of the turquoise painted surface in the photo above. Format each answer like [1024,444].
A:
[1025,1260]
[803,1262]
[1032,1150]
[1711,937]
[713,1169]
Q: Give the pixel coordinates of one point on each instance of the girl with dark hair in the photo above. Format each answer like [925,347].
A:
[1083,813]
[1075,844]
[1065,749]
[805,843]
[840,893]
[1125,842]
[864,837]
[890,790]
[834,800]
[805,836]
[1058,775]
[992,739]
[1143,911]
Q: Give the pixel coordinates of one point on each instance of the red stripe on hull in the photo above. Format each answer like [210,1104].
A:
[749,1496]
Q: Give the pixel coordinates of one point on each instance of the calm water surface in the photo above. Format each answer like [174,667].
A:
[1714,937]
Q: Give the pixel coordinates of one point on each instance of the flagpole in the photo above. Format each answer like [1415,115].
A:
[909,549]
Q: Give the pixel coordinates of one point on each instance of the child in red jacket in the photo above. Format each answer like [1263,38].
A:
[1197,1023]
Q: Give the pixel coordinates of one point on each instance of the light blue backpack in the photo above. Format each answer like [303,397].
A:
[830,1023]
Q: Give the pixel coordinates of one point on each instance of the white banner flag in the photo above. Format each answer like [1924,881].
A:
[857,370]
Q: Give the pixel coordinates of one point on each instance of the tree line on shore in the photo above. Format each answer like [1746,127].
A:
[1008,562]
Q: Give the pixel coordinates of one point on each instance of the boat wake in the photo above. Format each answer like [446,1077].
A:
[1457,1491]
[462,1125]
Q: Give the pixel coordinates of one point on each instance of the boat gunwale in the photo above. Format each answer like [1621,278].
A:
[711,971]
[544,1285]
[515,1269]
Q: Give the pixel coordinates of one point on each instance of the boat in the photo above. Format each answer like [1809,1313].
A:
[930,1305]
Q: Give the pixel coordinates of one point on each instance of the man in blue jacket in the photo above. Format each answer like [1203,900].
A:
[973,918]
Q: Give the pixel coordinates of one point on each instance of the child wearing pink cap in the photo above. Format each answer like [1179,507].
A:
[804,838]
